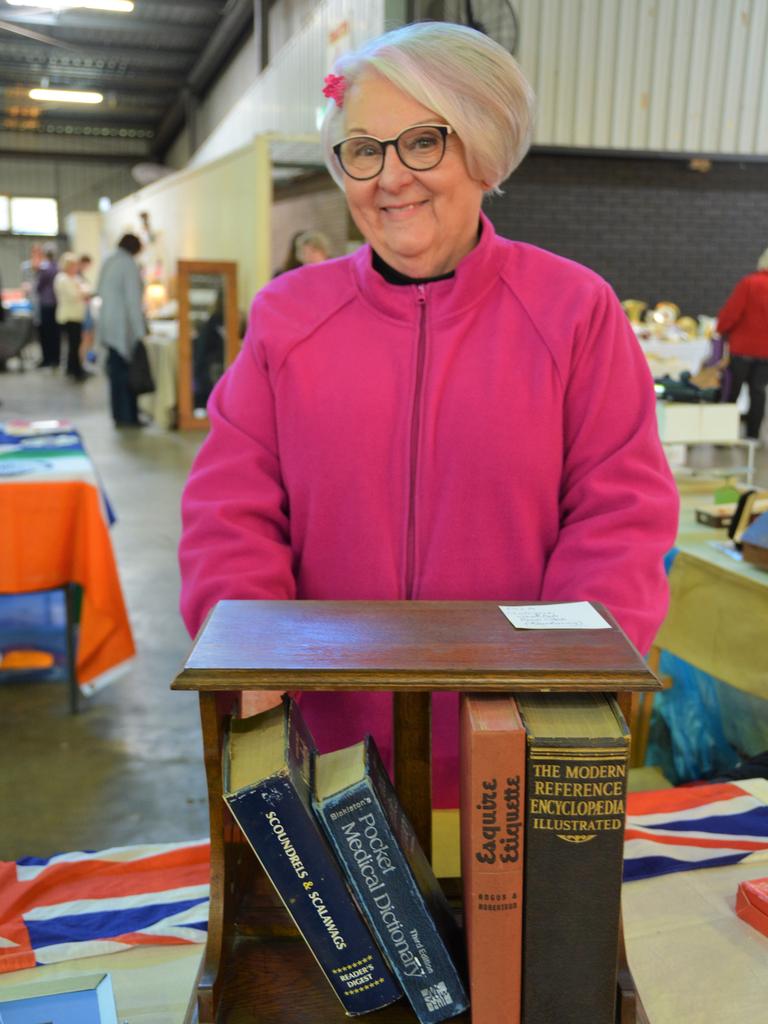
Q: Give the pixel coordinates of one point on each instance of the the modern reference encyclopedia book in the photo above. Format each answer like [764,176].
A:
[392,878]
[267,779]
[576,786]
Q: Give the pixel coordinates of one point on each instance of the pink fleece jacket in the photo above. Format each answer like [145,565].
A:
[487,437]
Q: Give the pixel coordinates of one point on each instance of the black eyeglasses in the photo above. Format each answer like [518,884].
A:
[420,148]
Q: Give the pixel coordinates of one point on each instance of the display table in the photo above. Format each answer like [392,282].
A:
[718,609]
[162,349]
[54,531]
[674,357]
[152,984]
[693,959]
[746,469]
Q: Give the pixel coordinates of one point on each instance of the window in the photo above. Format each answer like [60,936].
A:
[32,216]
[4,214]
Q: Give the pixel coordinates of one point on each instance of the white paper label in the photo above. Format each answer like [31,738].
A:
[573,615]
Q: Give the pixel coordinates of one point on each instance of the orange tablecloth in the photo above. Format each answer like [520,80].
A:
[55,533]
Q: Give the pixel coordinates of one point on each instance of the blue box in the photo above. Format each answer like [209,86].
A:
[85,1000]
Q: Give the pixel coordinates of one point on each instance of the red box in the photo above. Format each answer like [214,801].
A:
[752,903]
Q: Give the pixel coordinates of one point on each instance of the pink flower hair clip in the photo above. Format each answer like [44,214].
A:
[334,88]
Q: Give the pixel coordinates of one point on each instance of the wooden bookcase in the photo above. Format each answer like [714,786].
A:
[255,969]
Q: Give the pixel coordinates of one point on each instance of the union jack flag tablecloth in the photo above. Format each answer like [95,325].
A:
[81,904]
[695,827]
[87,904]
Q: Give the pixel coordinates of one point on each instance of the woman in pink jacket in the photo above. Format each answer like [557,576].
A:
[443,415]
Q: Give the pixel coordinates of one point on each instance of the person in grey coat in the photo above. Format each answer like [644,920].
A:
[121,324]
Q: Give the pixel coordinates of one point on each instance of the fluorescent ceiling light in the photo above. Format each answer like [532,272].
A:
[117,6]
[65,96]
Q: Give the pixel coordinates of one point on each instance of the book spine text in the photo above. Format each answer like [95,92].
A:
[576,801]
[284,835]
[396,911]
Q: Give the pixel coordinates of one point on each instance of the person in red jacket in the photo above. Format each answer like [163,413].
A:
[444,414]
[744,319]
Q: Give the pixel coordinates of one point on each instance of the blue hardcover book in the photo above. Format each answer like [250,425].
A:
[267,765]
[87,999]
[392,878]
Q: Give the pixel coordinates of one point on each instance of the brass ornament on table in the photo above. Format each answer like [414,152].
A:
[688,326]
[661,318]
[666,312]
[634,310]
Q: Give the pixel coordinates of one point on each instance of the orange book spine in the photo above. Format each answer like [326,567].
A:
[492,750]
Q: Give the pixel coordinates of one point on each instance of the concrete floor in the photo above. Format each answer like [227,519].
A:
[128,768]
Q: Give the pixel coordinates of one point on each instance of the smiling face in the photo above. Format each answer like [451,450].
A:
[422,223]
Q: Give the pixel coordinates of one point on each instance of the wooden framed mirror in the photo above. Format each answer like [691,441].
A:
[208,333]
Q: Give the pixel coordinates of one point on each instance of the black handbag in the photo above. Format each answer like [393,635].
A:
[139,373]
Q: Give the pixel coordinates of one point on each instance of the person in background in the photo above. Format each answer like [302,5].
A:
[50,339]
[208,354]
[28,270]
[87,353]
[442,415]
[121,324]
[312,247]
[744,319]
[70,311]
[306,247]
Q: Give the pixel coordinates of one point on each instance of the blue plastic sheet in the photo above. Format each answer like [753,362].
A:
[687,739]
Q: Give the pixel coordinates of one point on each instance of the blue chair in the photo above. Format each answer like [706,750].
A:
[42,620]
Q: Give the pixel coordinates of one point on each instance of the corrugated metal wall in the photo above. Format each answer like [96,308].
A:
[76,184]
[287,96]
[685,76]
[286,19]
[666,76]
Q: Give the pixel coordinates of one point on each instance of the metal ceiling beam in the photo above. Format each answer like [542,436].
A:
[115,24]
[79,156]
[142,5]
[135,121]
[101,80]
[149,112]
[233,28]
[230,31]
[136,118]
[96,129]
[183,39]
[28,33]
[140,55]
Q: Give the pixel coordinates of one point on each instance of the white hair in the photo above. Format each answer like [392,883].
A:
[762,263]
[464,76]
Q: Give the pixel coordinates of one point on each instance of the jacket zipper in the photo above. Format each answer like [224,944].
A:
[410,562]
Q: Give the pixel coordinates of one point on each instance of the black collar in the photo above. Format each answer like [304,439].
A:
[395,277]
